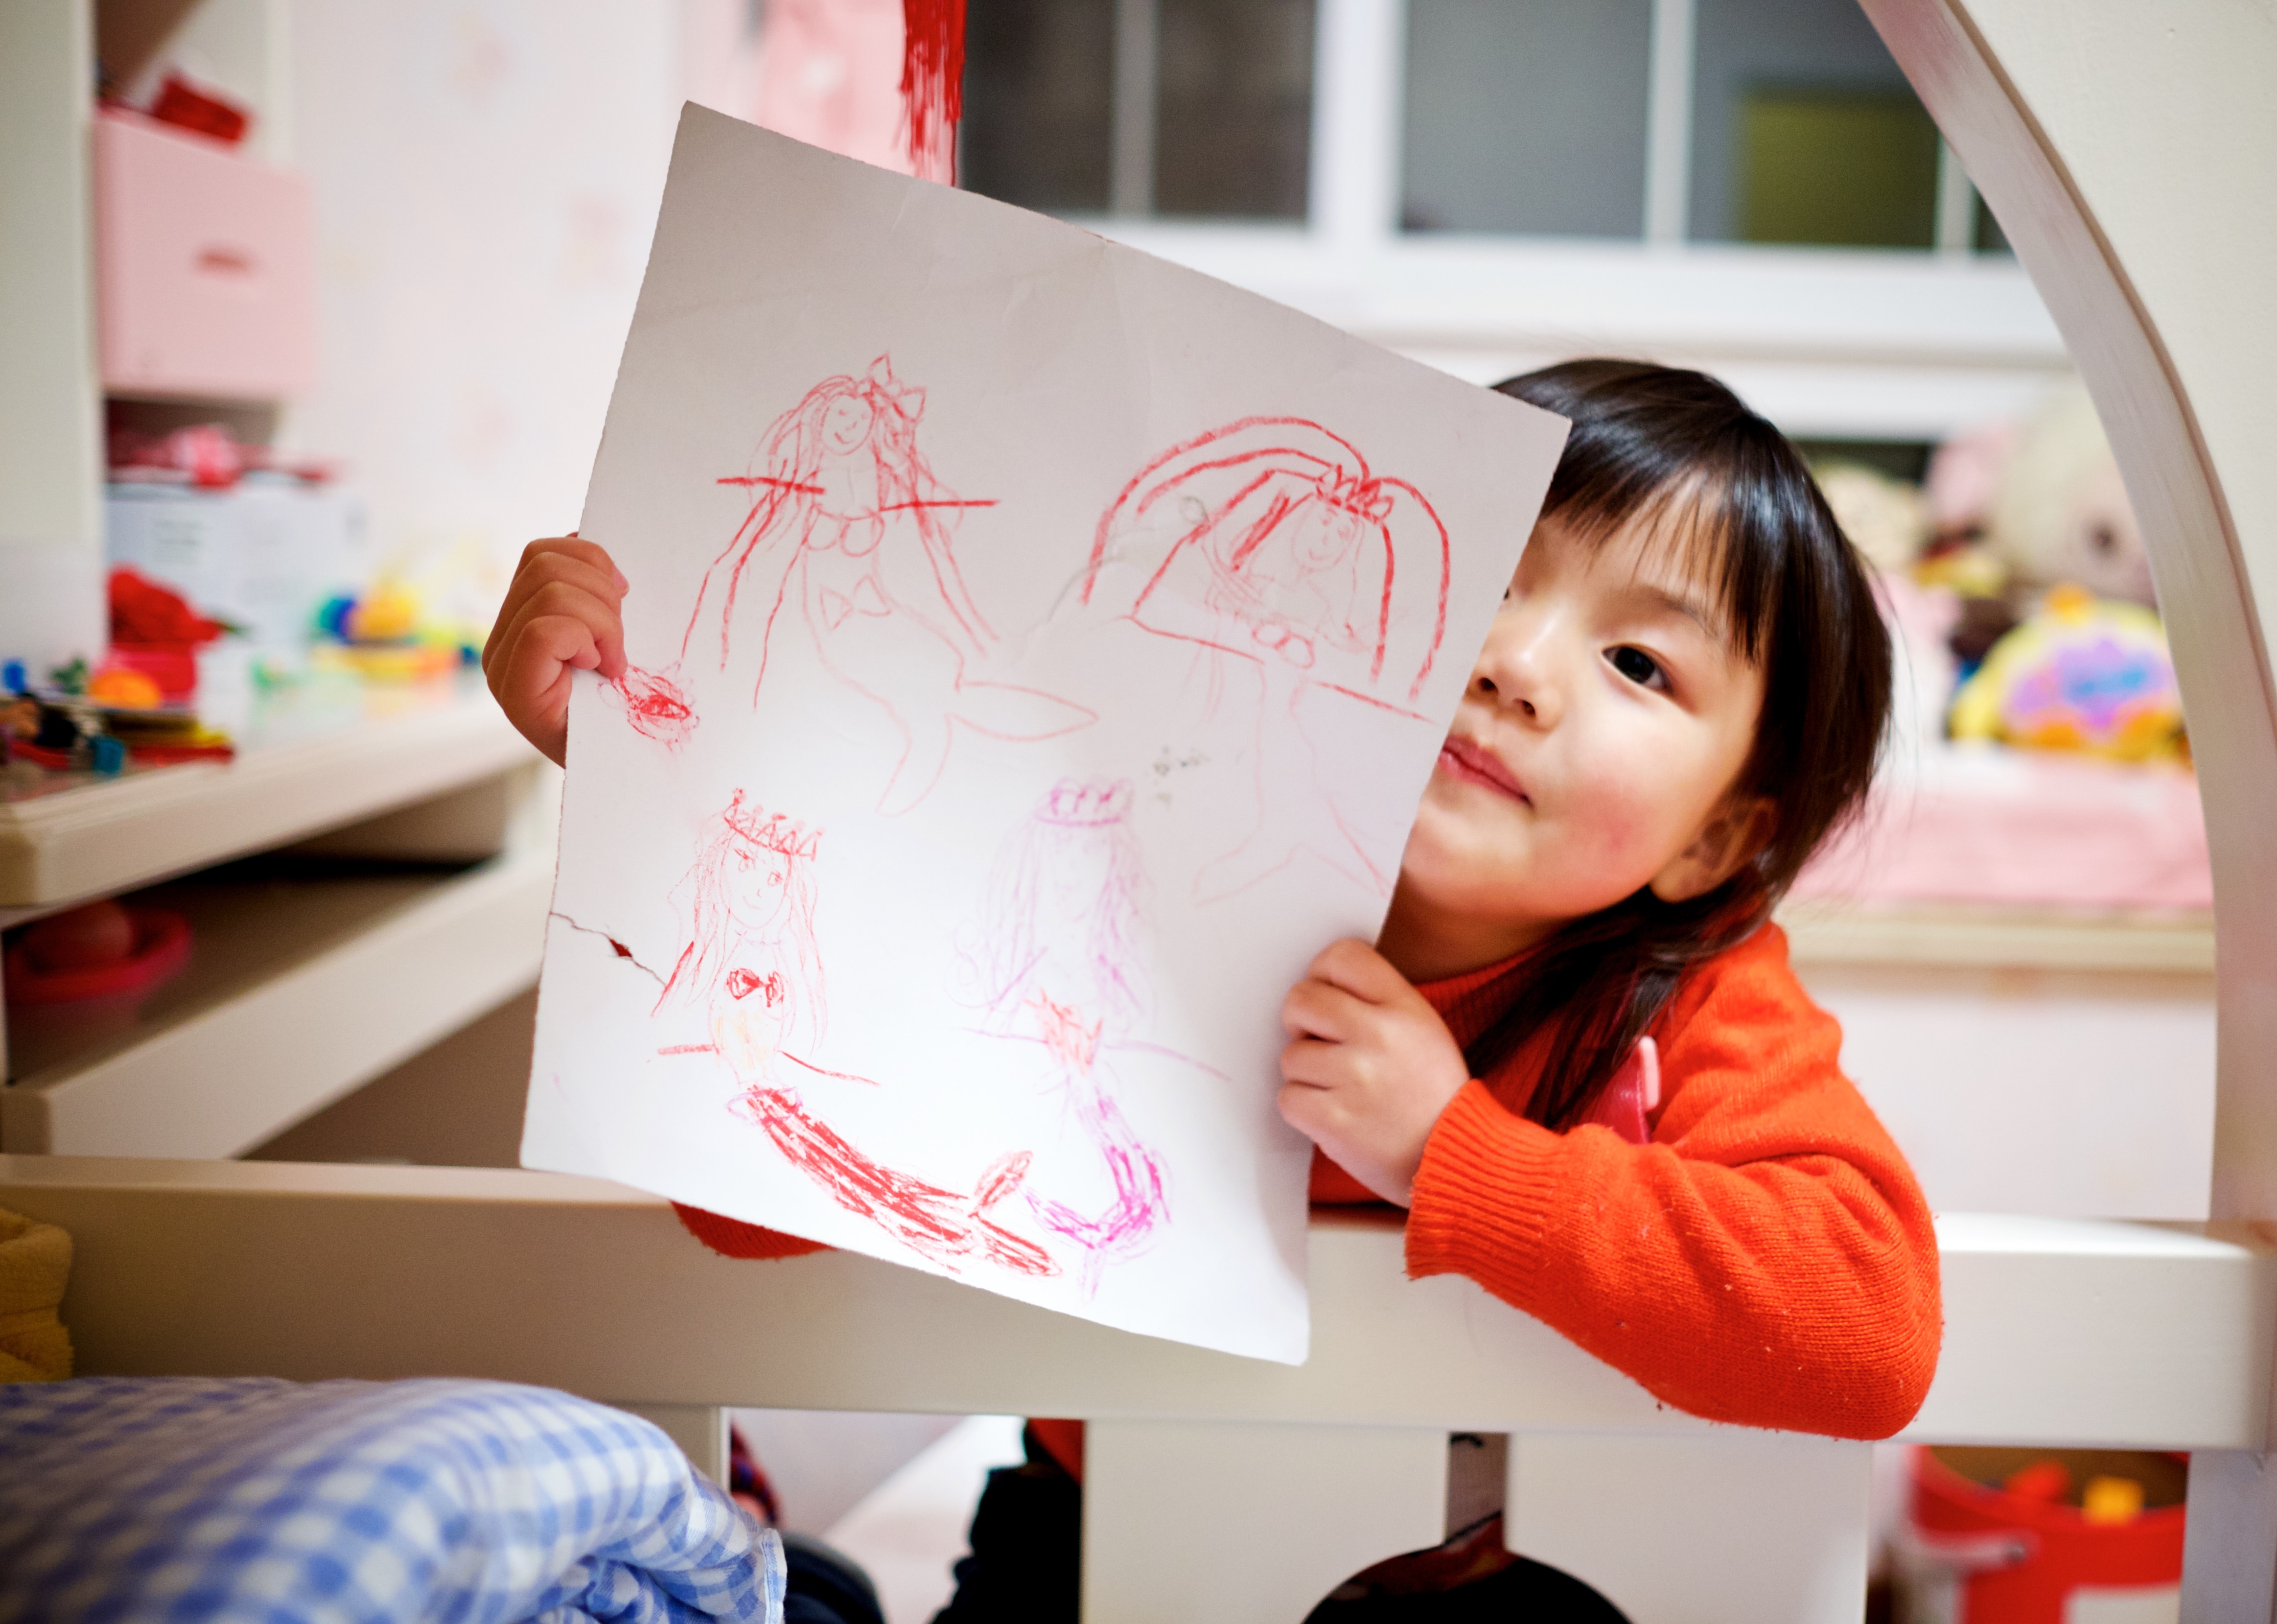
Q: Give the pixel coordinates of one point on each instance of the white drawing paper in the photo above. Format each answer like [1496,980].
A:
[1038,652]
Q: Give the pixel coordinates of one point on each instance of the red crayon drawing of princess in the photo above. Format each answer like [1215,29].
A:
[1271,540]
[751,969]
[1056,959]
[847,525]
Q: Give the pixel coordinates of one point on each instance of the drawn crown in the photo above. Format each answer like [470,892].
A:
[1087,805]
[1356,493]
[907,400]
[772,831]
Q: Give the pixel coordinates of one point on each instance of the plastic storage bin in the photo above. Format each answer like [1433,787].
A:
[205,266]
[263,556]
[1981,1547]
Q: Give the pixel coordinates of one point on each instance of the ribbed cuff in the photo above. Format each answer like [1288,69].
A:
[1481,1200]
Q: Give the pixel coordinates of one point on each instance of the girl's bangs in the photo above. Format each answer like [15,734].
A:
[1688,525]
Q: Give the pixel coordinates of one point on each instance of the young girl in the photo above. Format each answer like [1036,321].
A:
[1684,694]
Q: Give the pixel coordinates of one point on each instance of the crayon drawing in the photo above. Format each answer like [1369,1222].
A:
[1271,542]
[1037,652]
[752,972]
[1058,965]
[847,525]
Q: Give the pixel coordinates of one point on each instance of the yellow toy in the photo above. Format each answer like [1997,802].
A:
[2082,675]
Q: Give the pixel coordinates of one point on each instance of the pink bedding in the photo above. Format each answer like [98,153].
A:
[2009,828]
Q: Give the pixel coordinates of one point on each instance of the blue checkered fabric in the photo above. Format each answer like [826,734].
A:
[179,1498]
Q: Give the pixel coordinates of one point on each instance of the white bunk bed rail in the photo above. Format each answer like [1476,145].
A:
[2142,1334]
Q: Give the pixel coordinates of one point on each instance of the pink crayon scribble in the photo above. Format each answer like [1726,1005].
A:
[1130,1167]
[848,525]
[654,706]
[1055,961]
[1270,540]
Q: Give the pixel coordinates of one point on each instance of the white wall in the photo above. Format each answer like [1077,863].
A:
[487,173]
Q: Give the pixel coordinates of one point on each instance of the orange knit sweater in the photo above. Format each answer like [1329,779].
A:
[1767,1259]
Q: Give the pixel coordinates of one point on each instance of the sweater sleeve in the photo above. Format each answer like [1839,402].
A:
[1766,1260]
[733,1238]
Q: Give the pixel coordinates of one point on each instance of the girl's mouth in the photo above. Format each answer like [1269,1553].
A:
[1459,758]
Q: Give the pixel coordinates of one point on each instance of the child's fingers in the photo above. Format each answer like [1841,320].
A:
[542,570]
[1358,969]
[590,554]
[569,601]
[1315,1063]
[1315,1009]
[537,662]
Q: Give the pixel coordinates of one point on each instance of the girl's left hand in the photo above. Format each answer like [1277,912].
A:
[1369,1066]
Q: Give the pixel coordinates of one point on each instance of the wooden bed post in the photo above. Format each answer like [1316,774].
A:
[2128,151]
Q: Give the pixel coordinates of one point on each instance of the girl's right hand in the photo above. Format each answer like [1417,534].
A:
[560,614]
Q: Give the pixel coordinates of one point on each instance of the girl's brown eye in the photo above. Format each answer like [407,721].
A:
[1638,666]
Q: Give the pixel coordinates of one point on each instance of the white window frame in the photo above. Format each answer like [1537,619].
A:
[1868,344]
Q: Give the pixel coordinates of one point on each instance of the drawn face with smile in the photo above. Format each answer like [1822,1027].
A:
[1325,535]
[757,882]
[846,424]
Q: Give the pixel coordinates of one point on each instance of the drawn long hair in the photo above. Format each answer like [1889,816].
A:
[1199,521]
[783,479]
[1076,826]
[719,944]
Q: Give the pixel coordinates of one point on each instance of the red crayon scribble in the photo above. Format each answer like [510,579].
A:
[1271,540]
[654,705]
[936,1224]
[748,481]
[752,971]
[849,527]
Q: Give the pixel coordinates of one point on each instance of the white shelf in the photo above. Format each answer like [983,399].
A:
[1966,937]
[63,844]
[298,991]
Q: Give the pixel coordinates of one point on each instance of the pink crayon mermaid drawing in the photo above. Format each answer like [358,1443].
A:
[1060,938]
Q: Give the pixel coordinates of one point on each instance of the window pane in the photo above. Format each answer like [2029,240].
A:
[1527,116]
[1233,106]
[1990,238]
[1804,130]
[1039,81]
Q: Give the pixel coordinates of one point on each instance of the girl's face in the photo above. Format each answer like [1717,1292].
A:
[1594,752]
[756,880]
[846,423]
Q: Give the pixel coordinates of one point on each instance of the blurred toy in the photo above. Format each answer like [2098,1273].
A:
[118,688]
[2079,675]
[104,954]
[2059,513]
[1997,1534]
[45,734]
[212,113]
[382,636]
[203,456]
[1885,518]
[156,634]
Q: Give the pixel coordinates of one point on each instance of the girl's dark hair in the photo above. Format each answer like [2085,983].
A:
[1677,451]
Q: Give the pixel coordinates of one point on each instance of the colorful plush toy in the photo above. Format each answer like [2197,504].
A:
[2060,514]
[2081,675]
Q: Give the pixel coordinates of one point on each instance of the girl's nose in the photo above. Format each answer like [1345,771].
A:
[1517,669]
